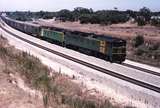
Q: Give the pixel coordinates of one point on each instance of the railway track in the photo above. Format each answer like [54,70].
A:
[111,73]
[142,69]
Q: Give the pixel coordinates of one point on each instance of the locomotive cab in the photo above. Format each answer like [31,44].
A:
[115,48]
[118,51]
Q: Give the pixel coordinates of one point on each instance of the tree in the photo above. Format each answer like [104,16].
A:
[115,8]
[85,18]
[146,13]
[131,13]
[141,21]
[155,21]
[82,10]
[65,15]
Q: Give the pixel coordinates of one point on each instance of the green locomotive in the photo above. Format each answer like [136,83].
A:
[105,47]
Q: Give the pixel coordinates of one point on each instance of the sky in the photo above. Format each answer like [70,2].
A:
[56,5]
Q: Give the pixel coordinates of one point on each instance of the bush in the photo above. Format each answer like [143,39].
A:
[149,51]
[156,54]
[155,22]
[141,50]
[154,46]
[141,21]
[85,18]
[146,13]
[138,40]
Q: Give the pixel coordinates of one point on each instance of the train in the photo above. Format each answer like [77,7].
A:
[105,47]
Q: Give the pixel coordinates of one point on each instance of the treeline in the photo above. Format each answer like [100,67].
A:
[30,16]
[105,17]
[89,16]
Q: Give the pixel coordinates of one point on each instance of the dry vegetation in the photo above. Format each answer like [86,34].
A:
[144,51]
[58,91]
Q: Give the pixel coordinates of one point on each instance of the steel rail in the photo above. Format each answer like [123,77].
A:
[142,69]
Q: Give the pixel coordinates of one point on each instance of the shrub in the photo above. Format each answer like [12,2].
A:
[84,19]
[141,50]
[155,22]
[146,13]
[138,40]
[141,21]
[154,46]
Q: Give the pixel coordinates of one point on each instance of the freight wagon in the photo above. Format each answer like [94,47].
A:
[105,47]
[29,28]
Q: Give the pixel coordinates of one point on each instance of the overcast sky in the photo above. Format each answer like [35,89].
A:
[54,5]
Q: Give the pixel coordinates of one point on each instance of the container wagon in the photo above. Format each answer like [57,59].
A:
[32,29]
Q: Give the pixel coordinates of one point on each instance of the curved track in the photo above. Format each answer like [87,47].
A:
[111,73]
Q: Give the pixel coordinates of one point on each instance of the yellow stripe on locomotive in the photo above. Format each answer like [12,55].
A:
[103,47]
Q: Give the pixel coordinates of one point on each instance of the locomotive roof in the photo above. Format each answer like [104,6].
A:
[101,37]
[108,38]
[82,33]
